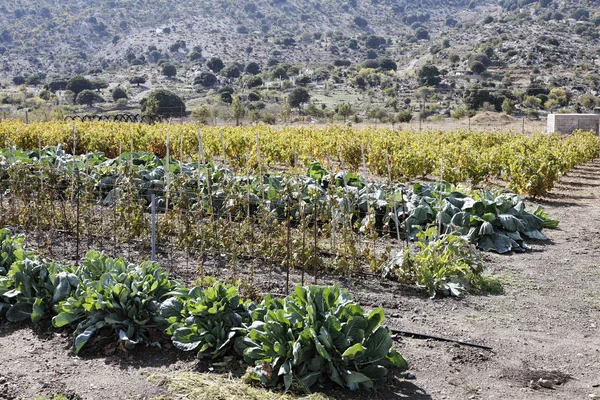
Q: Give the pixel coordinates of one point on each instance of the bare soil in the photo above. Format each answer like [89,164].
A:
[544,328]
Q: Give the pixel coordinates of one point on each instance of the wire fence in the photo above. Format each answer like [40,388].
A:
[514,125]
[495,123]
[65,215]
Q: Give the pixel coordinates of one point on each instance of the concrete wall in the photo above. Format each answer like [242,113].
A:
[567,123]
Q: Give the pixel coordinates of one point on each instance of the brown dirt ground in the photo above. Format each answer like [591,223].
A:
[544,328]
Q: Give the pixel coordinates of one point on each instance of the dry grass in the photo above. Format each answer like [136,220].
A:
[197,386]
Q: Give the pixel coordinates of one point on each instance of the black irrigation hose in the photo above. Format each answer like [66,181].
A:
[442,339]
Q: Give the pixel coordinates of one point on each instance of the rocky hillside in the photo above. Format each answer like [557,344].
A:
[497,44]
[70,37]
[66,37]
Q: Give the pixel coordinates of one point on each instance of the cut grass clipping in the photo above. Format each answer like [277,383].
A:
[196,386]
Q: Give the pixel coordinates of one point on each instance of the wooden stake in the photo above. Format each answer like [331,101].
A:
[223,148]
[315,231]
[167,173]
[208,178]
[248,184]
[396,222]
[260,172]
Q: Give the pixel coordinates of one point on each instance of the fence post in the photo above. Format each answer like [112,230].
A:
[396,221]
[77,238]
[153,238]
[260,171]
[222,147]
[167,172]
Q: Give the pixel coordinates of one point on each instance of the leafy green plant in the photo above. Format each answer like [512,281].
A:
[547,222]
[446,264]
[32,287]
[318,331]
[56,397]
[205,319]
[205,190]
[11,250]
[29,287]
[315,332]
[114,300]
[496,223]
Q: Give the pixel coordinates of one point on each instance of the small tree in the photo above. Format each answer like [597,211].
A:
[286,111]
[508,106]
[33,80]
[231,72]
[429,75]
[551,104]
[298,97]
[404,117]
[481,57]
[561,96]
[167,103]
[477,67]
[254,96]
[588,101]
[488,51]
[119,93]
[424,93]
[345,110]
[77,84]
[196,56]
[169,70]
[475,96]
[98,84]
[154,56]
[151,107]
[387,64]
[453,58]
[202,114]
[137,80]
[378,114]
[421,33]
[370,63]
[226,94]
[205,79]
[252,68]
[237,110]
[279,73]
[215,64]
[56,84]
[374,41]
[88,97]
[532,102]
[254,81]
[18,80]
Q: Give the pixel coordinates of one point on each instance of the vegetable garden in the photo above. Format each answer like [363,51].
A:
[412,207]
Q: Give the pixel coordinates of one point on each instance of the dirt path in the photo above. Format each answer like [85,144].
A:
[547,319]
[410,66]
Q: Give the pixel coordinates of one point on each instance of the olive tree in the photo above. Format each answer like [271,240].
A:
[166,104]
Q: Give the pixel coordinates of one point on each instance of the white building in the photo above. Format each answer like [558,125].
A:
[568,123]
